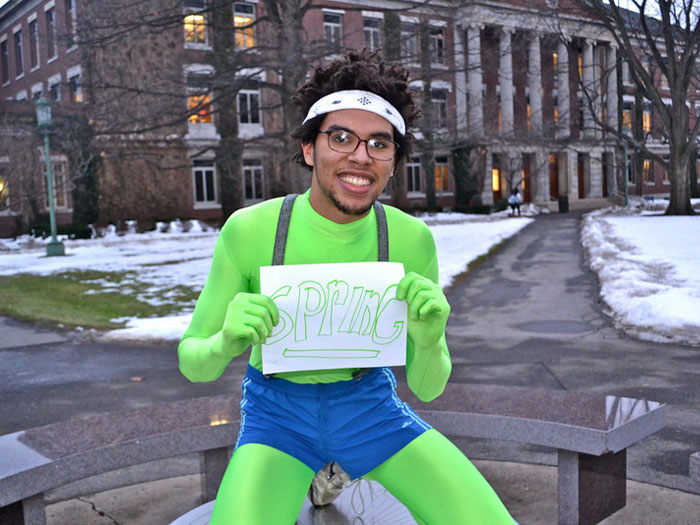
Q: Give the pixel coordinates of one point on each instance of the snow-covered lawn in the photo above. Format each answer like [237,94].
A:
[155,265]
[649,270]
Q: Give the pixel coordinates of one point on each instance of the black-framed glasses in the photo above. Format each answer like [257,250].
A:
[344,141]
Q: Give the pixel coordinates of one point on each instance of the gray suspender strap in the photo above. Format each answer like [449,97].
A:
[281,244]
[382,233]
[283,229]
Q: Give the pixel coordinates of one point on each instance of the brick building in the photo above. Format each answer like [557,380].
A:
[184,103]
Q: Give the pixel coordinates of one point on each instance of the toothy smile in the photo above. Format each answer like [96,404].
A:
[354,180]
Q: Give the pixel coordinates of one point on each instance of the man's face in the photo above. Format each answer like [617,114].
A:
[345,185]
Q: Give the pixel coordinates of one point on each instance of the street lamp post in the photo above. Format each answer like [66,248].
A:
[626,130]
[43,118]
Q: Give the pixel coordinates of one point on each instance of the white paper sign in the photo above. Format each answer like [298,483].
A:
[341,315]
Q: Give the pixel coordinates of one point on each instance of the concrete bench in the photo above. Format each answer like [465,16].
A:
[694,467]
[590,432]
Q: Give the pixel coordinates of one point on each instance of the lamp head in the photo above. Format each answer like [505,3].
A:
[43,112]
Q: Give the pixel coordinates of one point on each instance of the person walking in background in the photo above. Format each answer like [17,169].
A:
[514,200]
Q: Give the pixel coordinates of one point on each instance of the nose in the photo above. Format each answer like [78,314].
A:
[361,154]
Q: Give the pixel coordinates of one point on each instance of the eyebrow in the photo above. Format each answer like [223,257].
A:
[379,134]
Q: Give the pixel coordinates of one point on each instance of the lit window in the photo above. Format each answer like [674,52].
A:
[495,179]
[253,178]
[580,66]
[19,55]
[59,172]
[195,29]
[74,88]
[627,119]
[243,19]
[373,34]
[33,44]
[437,46]
[441,180]
[4,193]
[204,182]
[199,108]
[648,171]
[646,120]
[555,63]
[249,107]
[413,180]
[333,32]
[51,33]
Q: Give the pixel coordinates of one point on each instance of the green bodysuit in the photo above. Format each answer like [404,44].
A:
[246,243]
[437,483]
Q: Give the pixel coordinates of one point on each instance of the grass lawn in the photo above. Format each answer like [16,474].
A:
[84,298]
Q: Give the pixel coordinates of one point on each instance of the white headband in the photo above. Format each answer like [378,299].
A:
[357,99]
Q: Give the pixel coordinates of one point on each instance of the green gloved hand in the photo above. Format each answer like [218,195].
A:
[249,321]
[428,309]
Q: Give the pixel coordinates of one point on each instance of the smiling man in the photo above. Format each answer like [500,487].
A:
[356,130]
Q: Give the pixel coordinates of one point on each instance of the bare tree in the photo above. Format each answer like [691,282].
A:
[660,44]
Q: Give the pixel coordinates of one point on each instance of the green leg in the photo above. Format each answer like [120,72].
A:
[261,485]
[439,485]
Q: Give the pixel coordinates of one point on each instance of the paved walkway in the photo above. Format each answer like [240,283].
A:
[529,316]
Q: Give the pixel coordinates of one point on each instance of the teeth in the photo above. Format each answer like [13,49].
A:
[355,181]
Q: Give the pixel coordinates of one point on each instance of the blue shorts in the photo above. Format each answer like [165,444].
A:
[358,423]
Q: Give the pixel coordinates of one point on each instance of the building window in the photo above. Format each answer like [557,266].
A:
[70,22]
[413,181]
[19,55]
[33,44]
[74,88]
[441,181]
[626,73]
[5,61]
[59,172]
[439,101]
[243,20]
[496,179]
[199,107]
[51,48]
[253,179]
[37,91]
[333,32]
[195,30]
[627,118]
[555,63]
[437,46]
[409,43]
[204,173]
[249,107]
[55,91]
[4,191]
[646,119]
[648,171]
[373,34]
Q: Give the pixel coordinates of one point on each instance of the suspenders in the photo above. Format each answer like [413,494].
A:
[283,230]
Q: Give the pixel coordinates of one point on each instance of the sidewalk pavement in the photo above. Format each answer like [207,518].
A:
[537,295]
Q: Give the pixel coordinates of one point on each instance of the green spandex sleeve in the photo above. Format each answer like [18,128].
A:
[203,352]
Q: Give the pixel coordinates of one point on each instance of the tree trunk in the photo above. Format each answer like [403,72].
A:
[679,176]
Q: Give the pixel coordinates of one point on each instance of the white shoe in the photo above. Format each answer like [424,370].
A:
[328,484]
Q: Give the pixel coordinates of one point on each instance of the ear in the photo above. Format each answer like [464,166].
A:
[307,148]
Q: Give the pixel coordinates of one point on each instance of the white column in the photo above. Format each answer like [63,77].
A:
[589,94]
[460,81]
[563,92]
[534,80]
[595,173]
[487,193]
[505,80]
[475,81]
[611,86]
[539,167]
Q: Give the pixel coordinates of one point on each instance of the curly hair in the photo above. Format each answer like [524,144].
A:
[358,70]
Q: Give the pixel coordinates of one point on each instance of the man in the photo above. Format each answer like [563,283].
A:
[358,111]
